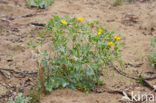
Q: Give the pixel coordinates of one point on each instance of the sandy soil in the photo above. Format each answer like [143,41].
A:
[135,22]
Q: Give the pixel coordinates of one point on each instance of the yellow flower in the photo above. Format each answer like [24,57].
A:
[116,38]
[80,18]
[64,22]
[100,31]
[111,44]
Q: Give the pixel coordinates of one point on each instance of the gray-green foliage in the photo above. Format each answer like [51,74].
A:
[19,99]
[39,3]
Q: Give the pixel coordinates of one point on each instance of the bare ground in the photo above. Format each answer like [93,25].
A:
[135,22]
